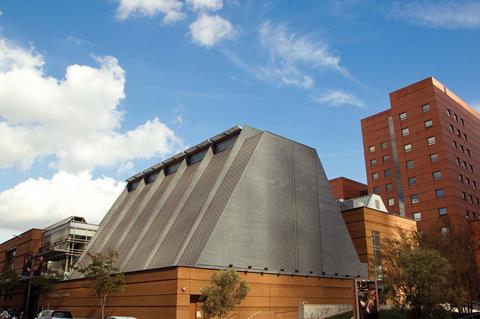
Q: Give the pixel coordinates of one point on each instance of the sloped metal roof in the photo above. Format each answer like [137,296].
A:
[258,201]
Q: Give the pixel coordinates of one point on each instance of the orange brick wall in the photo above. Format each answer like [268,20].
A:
[345,188]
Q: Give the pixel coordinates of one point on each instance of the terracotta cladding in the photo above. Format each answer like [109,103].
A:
[446,112]
[346,188]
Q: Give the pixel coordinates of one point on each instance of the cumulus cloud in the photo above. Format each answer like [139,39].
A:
[208,30]
[452,14]
[170,9]
[76,119]
[207,5]
[37,203]
[337,98]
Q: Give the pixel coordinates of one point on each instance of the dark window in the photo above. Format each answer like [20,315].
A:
[442,211]
[410,164]
[415,198]
[132,186]
[439,193]
[172,168]
[386,158]
[384,145]
[426,107]
[434,157]
[389,187]
[196,157]
[437,175]
[386,172]
[150,178]
[412,181]
[377,255]
[223,145]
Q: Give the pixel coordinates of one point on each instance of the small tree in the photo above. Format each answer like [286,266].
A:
[226,290]
[9,280]
[103,279]
[416,277]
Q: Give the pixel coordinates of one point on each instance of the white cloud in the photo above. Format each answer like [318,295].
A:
[37,203]
[76,40]
[75,119]
[208,30]
[211,5]
[451,14]
[337,98]
[171,9]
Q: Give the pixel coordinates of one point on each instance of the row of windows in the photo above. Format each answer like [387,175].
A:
[467,181]
[190,159]
[473,199]
[383,146]
[7,296]
[403,116]
[459,133]
[455,116]
[464,150]
[464,164]
[442,211]
[432,140]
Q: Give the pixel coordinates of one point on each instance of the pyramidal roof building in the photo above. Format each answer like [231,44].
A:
[246,198]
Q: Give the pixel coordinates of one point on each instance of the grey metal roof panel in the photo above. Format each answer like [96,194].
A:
[263,202]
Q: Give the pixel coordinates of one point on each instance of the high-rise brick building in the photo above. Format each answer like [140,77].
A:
[423,156]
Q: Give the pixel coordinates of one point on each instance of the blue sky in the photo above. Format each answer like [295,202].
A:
[93,91]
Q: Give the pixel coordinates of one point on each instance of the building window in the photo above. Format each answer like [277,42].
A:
[10,259]
[405,131]
[442,211]
[410,164]
[444,230]
[132,186]
[434,157]
[386,158]
[415,199]
[389,187]
[386,172]
[460,178]
[377,255]
[376,190]
[373,162]
[407,147]
[452,129]
[172,168]
[459,134]
[449,113]
[371,149]
[426,107]
[417,216]
[458,161]
[412,181]
[440,193]
[384,145]
[428,124]
[463,122]
[455,116]
[465,137]
[223,145]
[150,178]
[403,116]
[431,140]
[391,201]
[374,176]
[196,157]
[437,175]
